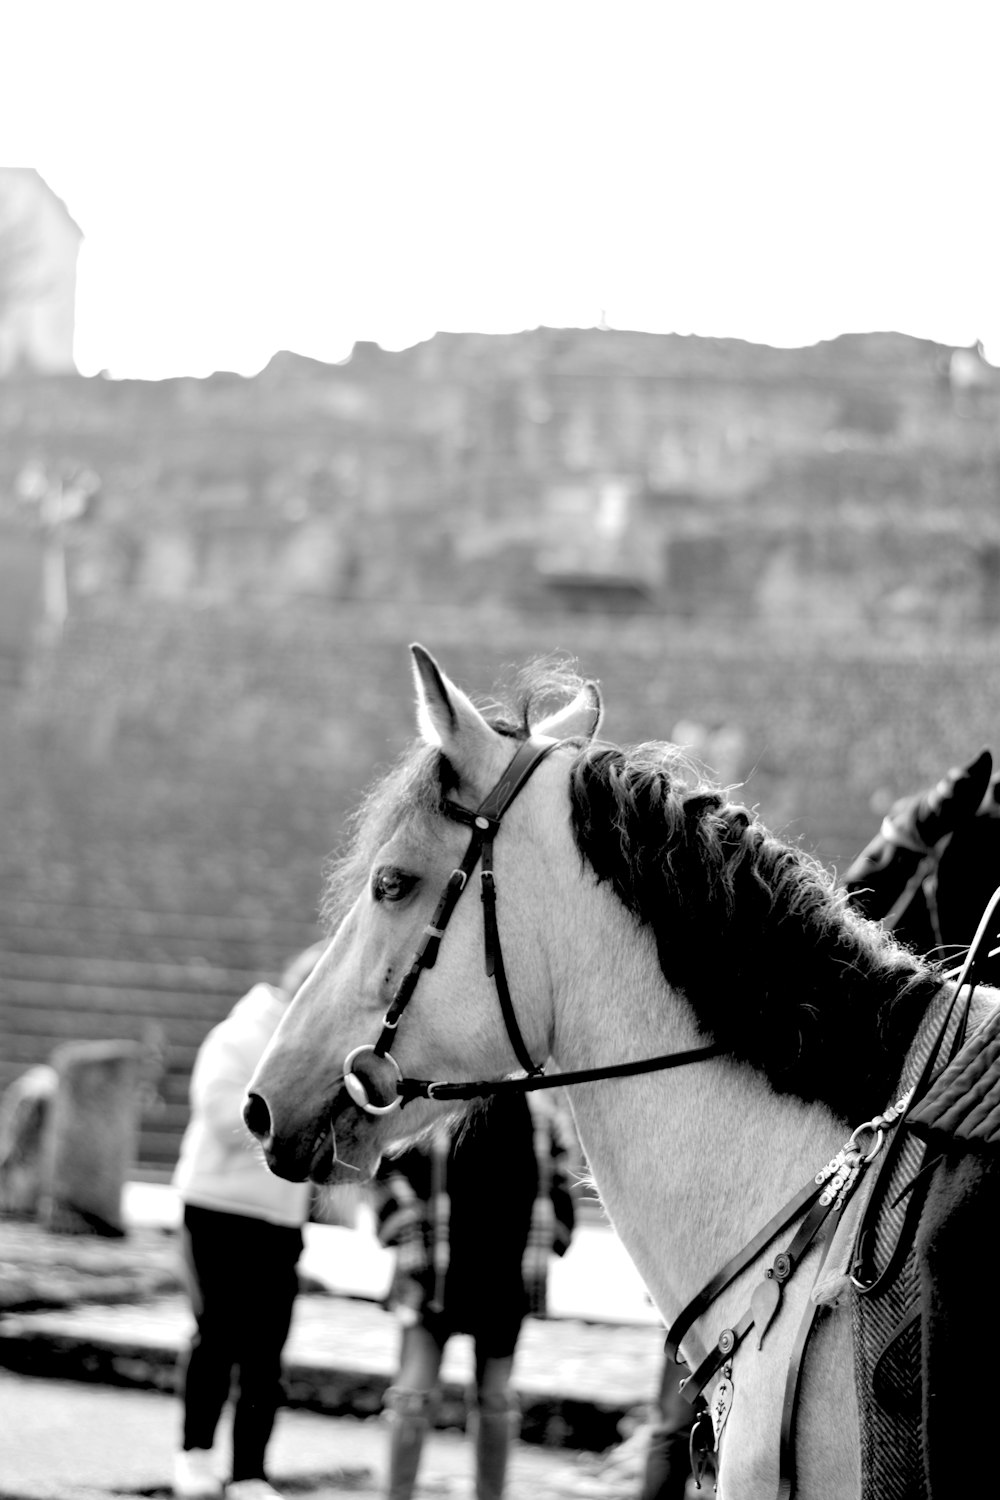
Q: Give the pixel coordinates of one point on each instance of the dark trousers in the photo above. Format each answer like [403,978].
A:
[668,1465]
[242,1284]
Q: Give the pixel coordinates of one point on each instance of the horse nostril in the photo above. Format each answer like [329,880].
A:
[257,1117]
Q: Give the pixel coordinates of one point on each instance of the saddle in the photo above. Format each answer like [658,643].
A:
[962,1105]
[924,1314]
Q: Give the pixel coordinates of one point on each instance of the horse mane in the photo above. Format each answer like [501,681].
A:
[775,965]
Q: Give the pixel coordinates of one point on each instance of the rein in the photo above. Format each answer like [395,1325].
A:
[423,1088]
[483,824]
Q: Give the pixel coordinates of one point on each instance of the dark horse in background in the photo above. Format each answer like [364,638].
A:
[930,871]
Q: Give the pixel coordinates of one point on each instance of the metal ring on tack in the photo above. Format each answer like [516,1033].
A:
[355,1086]
[879,1138]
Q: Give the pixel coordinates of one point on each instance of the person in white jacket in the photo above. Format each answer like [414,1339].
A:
[242,1239]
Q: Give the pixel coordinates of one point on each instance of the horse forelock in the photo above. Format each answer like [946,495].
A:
[776,967]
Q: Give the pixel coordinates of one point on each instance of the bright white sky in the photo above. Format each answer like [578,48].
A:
[254,175]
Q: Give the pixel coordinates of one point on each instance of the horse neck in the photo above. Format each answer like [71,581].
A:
[689,1163]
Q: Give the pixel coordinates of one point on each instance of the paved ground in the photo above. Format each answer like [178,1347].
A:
[112,1311]
[92,1329]
[67,1441]
[578,1383]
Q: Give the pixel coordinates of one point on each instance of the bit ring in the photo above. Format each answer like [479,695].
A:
[358,1089]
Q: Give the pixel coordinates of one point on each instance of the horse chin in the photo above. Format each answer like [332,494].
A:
[346,1151]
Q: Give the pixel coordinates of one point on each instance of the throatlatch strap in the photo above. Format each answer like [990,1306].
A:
[494,961]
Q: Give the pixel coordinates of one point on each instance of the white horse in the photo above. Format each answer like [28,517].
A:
[638,915]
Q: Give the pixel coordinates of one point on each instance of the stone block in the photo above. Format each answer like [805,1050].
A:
[91,1137]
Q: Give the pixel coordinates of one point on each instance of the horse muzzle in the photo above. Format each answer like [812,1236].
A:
[287,1155]
[334,1147]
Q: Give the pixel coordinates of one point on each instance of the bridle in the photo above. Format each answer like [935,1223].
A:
[483,824]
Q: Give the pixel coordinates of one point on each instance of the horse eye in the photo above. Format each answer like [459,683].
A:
[390,884]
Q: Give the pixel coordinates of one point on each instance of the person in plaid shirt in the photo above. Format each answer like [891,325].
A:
[474,1213]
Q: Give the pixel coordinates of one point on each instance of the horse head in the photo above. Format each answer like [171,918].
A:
[387,891]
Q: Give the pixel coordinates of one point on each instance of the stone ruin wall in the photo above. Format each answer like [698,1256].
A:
[703,478]
[177,764]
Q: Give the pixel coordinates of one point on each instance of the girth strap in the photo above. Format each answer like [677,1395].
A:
[789,1407]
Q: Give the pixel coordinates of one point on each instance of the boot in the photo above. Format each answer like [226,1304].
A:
[668,1465]
[409,1419]
[493,1429]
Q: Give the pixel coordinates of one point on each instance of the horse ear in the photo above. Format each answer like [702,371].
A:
[445,716]
[580,719]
